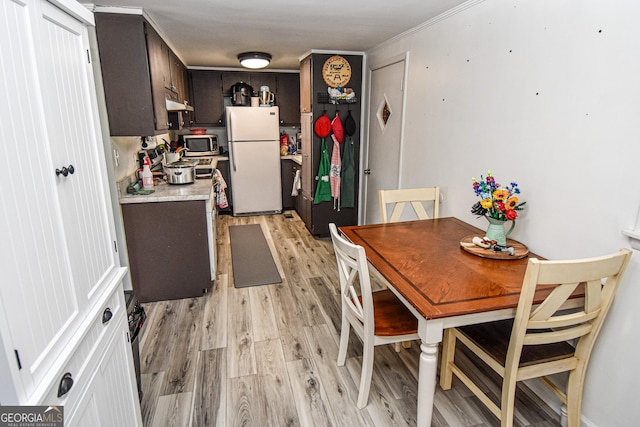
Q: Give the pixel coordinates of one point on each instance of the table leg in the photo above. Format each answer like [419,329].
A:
[427,383]
[431,337]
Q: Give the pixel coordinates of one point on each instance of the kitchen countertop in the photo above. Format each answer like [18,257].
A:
[201,189]
[163,192]
[295,157]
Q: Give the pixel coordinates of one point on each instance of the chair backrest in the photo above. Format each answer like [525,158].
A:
[548,323]
[355,282]
[416,196]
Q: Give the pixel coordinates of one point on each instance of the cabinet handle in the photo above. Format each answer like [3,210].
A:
[106,315]
[65,171]
[65,384]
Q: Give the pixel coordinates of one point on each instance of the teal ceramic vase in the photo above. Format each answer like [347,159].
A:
[496,232]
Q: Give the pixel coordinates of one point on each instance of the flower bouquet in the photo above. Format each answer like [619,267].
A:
[498,204]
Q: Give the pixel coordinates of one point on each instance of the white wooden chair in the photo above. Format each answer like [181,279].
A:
[535,344]
[378,318]
[417,197]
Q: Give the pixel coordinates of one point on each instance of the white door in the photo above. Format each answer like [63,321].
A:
[385,134]
[68,92]
[110,399]
[37,300]
[57,249]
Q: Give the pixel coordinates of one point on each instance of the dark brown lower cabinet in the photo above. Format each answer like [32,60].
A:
[288,171]
[168,249]
[303,207]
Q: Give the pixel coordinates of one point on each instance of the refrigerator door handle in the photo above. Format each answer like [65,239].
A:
[233,158]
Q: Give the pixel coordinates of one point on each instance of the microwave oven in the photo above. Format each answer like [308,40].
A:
[201,145]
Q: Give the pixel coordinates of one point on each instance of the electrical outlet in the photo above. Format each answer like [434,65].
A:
[116,158]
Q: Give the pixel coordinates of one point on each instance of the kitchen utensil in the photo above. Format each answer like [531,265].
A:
[241,94]
[180,172]
[266,97]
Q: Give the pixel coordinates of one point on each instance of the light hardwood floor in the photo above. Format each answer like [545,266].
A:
[266,356]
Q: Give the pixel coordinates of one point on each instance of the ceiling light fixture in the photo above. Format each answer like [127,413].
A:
[254,59]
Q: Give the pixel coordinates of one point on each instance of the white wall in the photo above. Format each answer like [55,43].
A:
[545,93]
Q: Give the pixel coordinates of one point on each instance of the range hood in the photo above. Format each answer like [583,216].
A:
[177,106]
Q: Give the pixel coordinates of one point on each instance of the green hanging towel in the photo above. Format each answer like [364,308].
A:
[323,190]
[348,181]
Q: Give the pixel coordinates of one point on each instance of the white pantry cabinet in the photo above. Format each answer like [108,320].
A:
[59,267]
[107,400]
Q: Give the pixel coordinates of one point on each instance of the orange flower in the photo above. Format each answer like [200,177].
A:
[512,202]
[500,194]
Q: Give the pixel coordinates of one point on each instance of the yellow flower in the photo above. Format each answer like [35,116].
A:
[500,194]
[487,203]
[512,202]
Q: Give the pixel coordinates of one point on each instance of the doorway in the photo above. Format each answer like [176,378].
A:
[386,107]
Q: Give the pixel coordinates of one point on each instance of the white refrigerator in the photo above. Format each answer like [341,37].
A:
[253,135]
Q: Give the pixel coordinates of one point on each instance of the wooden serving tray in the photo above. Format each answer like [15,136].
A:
[521,250]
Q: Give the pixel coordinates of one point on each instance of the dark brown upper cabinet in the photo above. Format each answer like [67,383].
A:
[262,79]
[207,97]
[139,73]
[305,89]
[179,79]
[208,89]
[158,53]
[229,78]
[288,97]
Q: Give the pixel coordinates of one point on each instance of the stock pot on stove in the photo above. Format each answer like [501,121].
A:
[180,172]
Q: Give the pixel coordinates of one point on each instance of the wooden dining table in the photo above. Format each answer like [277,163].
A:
[442,284]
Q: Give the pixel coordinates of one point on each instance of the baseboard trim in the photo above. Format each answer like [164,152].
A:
[552,400]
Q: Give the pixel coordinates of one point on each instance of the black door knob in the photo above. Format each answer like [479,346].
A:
[106,315]
[65,384]
[65,170]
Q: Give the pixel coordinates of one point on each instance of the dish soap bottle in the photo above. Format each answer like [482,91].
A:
[147,176]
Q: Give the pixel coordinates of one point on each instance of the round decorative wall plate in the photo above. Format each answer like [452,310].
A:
[336,71]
